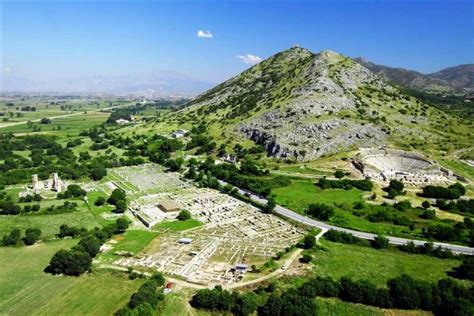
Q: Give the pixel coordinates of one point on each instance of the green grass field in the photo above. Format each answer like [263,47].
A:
[337,260]
[98,210]
[301,193]
[48,223]
[178,225]
[70,125]
[131,241]
[26,290]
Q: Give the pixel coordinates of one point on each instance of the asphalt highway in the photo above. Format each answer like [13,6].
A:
[283,211]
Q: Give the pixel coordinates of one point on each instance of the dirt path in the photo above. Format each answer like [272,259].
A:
[274,274]
[288,262]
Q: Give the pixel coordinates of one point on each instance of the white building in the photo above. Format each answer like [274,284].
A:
[122,121]
[179,133]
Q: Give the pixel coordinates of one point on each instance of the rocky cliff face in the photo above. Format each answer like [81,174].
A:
[303,105]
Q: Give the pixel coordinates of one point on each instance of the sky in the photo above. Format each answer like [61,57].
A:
[211,41]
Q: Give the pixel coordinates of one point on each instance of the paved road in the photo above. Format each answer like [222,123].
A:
[283,211]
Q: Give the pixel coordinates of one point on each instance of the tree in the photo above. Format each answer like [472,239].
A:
[174,164]
[270,206]
[120,206]
[380,242]
[404,292]
[402,206]
[184,215]
[396,185]
[320,211]
[31,236]
[117,195]
[245,304]
[426,205]
[466,269]
[428,214]
[73,262]
[66,231]
[121,224]
[158,278]
[45,120]
[309,241]
[13,238]
[339,174]
[73,190]
[89,244]
[97,172]
[100,201]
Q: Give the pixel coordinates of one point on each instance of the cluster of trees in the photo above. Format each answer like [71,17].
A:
[118,198]
[320,211]
[72,191]
[346,184]
[30,198]
[67,207]
[218,299]
[48,156]
[14,237]
[466,269]
[78,260]
[452,192]
[446,297]
[390,217]
[288,303]
[119,114]
[242,152]
[31,208]
[203,142]
[74,143]
[28,108]
[446,233]
[382,243]
[395,188]
[146,299]
[9,208]
[465,206]
[249,176]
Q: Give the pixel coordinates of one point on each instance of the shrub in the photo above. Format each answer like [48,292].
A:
[100,201]
[120,206]
[184,215]
[309,241]
[13,238]
[31,236]
[320,211]
[117,195]
[339,174]
[306,258]
[380,242]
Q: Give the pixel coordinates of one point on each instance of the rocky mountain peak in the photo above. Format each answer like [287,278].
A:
[303,105]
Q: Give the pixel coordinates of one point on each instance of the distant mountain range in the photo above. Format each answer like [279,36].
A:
[458,79]
[154,83]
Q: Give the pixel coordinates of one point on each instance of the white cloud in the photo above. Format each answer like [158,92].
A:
[204,34]
[249,59]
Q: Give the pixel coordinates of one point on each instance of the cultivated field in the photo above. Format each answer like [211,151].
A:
[26,290]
